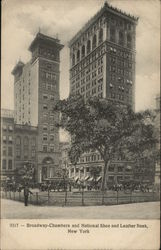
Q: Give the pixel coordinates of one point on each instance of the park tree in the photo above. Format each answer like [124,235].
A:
[109,127]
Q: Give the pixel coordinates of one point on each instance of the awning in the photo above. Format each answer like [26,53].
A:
[86,178]
[91,179]
[99,178]
[76,179]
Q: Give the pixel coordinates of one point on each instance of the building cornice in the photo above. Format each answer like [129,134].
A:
[106,8]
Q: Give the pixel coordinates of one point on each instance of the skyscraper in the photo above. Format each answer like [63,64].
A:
[36,89]
[102,57]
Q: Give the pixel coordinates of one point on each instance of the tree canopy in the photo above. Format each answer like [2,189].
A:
[110,128]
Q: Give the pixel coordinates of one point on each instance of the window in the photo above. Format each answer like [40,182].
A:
[100,36]
[45,127]
[4,151]
[111,178]
[73,59]
[83,51]
[51,148]
[129,41]
[18,153]
[33,142]
[10,128]
[94,41]
[121,38]
[45,148]
[26,141]
[111,168]
[88,46]
[45,137]
[10,151]
[26,153]
[18,141]
[78,56]
[51,137]
[9,164]
[4,164]
[45,107]
[45,96]
[112,34]
[120,169]
[4,138]
[4,127]
[10,138]
[33,153]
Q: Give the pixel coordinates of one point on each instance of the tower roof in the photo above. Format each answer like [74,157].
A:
[45,39]
[106,8]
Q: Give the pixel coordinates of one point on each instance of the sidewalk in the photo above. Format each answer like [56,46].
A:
[16,210]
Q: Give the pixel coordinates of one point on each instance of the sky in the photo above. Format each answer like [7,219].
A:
[22,19]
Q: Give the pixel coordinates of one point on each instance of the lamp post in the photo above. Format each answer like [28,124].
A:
[65,172]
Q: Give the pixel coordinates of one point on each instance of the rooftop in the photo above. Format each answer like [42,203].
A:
[44,38]
[7,113]
[109,8]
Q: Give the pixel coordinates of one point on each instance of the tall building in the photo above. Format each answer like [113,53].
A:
[102,57]
[7,143]
[36,89]
[102,64]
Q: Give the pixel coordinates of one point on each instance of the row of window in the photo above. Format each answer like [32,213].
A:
[25,141]
[48,75]
[47,148]
[25,154]
[7,164]
[8,139]
[9,128]
[10,151]
[123,38]
[47,137]
[85,50]
[97,54]
[49,86]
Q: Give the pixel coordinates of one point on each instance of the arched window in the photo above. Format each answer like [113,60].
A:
[83,51]
[88,46]
[100,36]
[26,141]
[94,41]
[121,37]
[129,41]
[78,56]
[112,34]
[18,140]
[73,59]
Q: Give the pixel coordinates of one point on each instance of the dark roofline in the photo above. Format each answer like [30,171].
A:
[106,7]
[19,65]
[42,37]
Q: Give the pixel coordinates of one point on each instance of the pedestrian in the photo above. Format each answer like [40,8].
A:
[26,195]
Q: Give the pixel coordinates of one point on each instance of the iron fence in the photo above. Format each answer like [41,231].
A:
[91,198]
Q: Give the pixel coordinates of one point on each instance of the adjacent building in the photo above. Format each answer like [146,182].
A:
[36,89]
[102,64]
[7,143]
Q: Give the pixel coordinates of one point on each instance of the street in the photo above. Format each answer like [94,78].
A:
[16,210]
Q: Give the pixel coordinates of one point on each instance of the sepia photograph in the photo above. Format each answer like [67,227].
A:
[80,117]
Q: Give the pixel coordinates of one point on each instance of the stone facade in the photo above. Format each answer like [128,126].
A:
[102,57]
[36,89]
[7,143]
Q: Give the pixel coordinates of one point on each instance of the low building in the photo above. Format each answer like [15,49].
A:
[7,143]
[25,146]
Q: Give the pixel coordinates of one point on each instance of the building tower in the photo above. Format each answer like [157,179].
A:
[102,57]
[36,89]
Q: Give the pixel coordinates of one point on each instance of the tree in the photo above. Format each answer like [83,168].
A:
[110,128]
[25,174]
